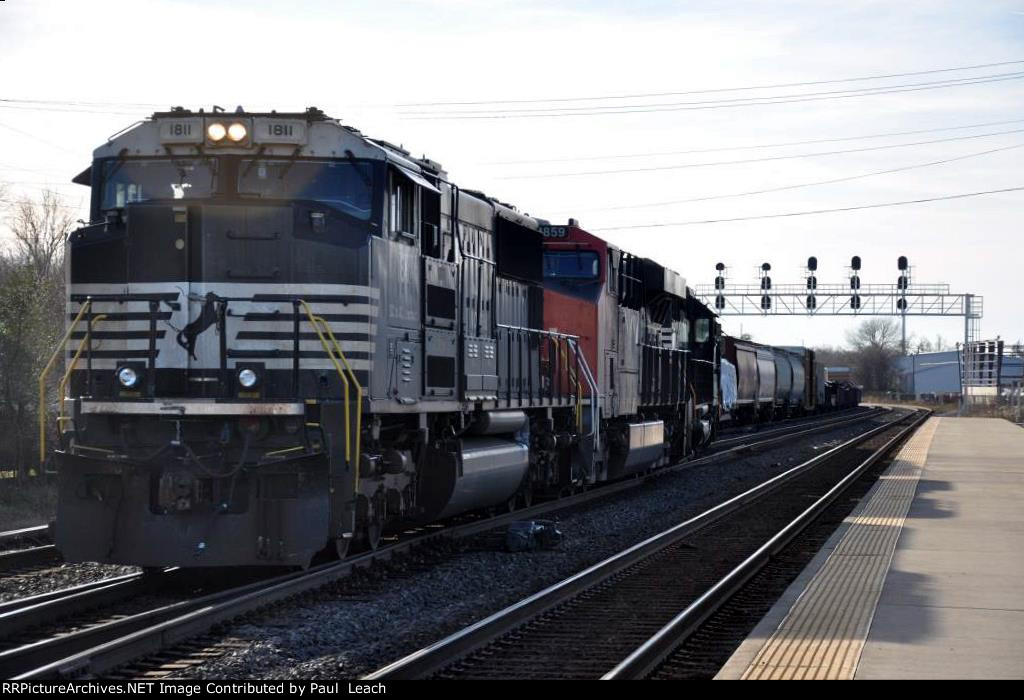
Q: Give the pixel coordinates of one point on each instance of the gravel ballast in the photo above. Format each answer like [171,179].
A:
[36,581]
[394,609]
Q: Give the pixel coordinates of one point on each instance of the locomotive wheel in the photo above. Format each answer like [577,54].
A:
[373,522]
[341,546]
[525,497]
[371,534]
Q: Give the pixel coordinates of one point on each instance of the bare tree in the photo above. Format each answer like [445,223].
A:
[32,313]
[40,229]
[874,347]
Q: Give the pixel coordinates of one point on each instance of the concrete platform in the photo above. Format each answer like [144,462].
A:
[925,579]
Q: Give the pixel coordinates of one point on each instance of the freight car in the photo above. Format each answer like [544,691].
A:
[286,337]
[776,382]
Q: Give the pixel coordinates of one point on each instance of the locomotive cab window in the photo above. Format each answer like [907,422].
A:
[402,207]
[580,265]
[129,181]
[682,332]
[703,330]
[344,186]
[613,274]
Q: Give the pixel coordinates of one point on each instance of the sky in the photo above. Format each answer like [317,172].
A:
[599,110]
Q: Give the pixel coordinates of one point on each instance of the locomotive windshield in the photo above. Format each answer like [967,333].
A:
[129,181]
[571,264]
[347,186]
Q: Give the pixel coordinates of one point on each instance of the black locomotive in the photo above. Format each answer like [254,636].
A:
[286,337]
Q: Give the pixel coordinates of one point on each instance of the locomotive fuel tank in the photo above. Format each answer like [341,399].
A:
[636,447]
[470,474]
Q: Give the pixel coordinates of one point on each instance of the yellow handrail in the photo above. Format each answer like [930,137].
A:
[355,383]
[63,386]
[335,353]
[46,370]
[573,380]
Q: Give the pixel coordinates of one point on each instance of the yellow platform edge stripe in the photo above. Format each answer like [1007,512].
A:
[824,633]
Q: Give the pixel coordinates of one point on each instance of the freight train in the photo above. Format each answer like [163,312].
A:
[285,338]
[764,383]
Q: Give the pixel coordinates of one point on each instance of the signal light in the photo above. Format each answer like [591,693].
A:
[901,262]
[812,301]
[855,262]
[812,263]
[766,302]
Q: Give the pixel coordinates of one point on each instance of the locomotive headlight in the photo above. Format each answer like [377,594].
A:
[216,131]
[237,132]
[128,377]
[247,378]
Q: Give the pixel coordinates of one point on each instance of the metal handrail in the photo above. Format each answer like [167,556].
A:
[63,386]
[595,398]
[334,352]
[86,305]
[355,383]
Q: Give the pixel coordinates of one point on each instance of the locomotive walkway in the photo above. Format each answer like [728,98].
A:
[925,579]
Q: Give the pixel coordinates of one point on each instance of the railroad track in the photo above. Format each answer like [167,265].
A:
[26,549]
[735,436]
[21,561]
[26,536]
[106,644]
[622,617]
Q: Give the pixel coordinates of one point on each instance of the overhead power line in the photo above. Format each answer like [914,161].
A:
[705,91]
[750,102]
[782,144]
[801,185]
[744,161]
[38,139]
[80,103]
[879,205]
[947,82]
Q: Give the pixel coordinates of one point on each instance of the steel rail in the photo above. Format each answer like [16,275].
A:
[22,613]
[26,558]
[432,658]
[61,646]
[24,533]
[738,435]
[655,650]
[772,438]
[166,630]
